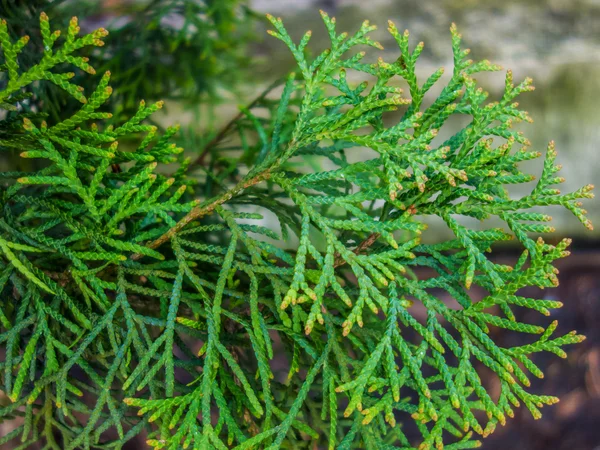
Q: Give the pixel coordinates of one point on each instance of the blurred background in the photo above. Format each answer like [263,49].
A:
[207,57]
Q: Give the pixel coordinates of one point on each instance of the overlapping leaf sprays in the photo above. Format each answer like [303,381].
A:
[189,51]
[126,293]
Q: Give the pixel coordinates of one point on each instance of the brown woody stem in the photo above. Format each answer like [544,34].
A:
[201,211]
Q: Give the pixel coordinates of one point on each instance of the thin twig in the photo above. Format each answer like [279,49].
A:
[208,208]
[201,211]
[221,134]
[370,240]
[339,261]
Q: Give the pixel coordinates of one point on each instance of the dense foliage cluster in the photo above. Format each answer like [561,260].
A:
[266,295]
[183,50]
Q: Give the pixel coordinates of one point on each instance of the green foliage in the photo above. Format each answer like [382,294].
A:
[181,50]
[270,298]
[22,17]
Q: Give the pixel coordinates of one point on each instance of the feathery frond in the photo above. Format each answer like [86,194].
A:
[181,297]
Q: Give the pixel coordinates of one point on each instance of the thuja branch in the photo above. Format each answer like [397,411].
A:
[185,328]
